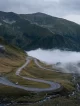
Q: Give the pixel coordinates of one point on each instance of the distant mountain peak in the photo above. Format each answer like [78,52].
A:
[39,14]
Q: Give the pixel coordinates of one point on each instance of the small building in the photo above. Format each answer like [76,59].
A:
[2,48]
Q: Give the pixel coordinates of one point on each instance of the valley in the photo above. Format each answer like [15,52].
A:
[48,74]
[30,96]
[28,76]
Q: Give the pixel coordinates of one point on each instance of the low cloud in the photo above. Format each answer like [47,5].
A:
[65,61]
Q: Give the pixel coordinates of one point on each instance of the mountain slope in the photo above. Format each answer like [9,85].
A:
[39,30]
[11,51]
[20,32]
[56,25]
[11,57]
[68,33]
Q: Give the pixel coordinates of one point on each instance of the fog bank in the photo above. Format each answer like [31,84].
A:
[67,61]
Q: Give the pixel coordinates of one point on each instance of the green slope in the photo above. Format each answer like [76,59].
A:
[67,32]
[56,25]
[39,30]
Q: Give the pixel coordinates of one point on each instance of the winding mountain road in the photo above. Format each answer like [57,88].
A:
[53,86]
[37,63]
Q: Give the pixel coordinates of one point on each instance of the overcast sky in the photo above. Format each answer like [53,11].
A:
[68,9]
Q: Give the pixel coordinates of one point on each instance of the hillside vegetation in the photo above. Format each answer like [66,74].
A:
[11,58]
[32,31]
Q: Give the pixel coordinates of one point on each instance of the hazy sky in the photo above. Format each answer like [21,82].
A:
[68,9]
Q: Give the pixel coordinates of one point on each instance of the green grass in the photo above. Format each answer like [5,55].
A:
[27,83]
[43,64]
[18,95]
[33,71]
[59,101]
[14,59]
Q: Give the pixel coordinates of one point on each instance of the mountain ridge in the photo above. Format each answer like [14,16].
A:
[39,30]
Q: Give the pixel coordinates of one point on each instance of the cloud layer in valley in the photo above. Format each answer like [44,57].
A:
[66,61]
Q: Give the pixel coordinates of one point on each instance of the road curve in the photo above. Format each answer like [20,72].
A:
[37,63]
[53,86]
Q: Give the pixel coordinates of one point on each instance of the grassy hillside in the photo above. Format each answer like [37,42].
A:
[56,25]
[67,33]
[35,72]
[39,30]
[10,60]
[21,32]
[60,101]
[11,57]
